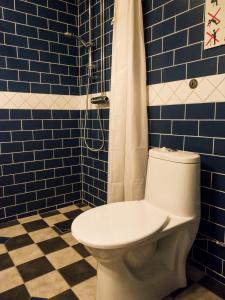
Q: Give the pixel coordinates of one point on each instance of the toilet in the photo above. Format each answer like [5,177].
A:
[142,246]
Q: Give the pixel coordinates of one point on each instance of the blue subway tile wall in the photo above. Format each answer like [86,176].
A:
[95,164]
[40,161]
[96,85]
[35,56]
[174,32]
[197,128]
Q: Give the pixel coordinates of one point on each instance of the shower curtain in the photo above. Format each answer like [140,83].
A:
[128,130]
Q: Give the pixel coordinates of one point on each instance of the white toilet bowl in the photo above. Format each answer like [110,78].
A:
[141,246]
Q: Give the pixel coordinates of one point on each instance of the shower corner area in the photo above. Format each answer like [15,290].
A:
[55,57]
[96,27]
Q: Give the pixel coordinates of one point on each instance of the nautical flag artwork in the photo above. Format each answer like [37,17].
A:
[214,23]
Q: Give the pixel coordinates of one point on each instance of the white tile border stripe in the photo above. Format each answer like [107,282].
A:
[9,100]
[210,89]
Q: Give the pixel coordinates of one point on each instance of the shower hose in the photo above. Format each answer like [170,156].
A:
[85,124]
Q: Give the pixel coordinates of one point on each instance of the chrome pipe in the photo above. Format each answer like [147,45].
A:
[84,43]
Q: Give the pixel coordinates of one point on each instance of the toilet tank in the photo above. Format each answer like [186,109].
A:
[173,181]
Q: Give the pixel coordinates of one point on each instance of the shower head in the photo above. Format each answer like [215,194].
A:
[83,43]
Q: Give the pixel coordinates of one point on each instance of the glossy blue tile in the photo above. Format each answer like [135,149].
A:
[17,86]
[207,259]
[190,18]
[176,40]
[154,47]
[38,44]
[219,147]
[5,159]
[162,60]
[217,215]
[48,35]
[220,110]
[48,13]
[53,163]
[42,134]
[18,64]
[25,30]
[29,76]
[175,7]
[213,163]
[45,154]
[172,141]
[7,74]
[41,114]
[20,114]
[11,147]
[174,73]
[55,200]
[221,69]
[7,3]
[33,145]
[28,54]
[187,54]
[4,114]
[200,111]
[24,177]
[31,124]
[206,178]
[34,206]
[7,201]
[185,127]
[10,125]
[14,16]
[154,77]
[5,137]
[202,68]
[14,40]
[172,112]
[7,26]
[196,34]
[23,156]
[13,168]
[37,21]
[52,144]
[40,88]
[14,210]
[46,174]
[197,144]
[218,182]
[212,128]
[25,7]
[164,28]
[153,17]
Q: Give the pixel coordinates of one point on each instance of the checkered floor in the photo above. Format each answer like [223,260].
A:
[40,262]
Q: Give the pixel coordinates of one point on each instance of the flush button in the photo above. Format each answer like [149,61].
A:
[164,149]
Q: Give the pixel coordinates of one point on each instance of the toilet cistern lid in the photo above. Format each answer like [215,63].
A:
[118,224]
[178,156]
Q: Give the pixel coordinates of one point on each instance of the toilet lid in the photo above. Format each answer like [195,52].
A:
[118,224]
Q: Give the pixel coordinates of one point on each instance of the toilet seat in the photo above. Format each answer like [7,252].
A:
[118,224]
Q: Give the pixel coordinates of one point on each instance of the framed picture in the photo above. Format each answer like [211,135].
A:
[214,23]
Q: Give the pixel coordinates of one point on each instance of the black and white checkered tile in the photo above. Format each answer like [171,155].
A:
[38,261]
[41,260]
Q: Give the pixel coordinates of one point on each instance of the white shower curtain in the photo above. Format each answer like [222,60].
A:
[128,132]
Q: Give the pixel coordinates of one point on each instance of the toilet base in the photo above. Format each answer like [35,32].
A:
[118,283]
